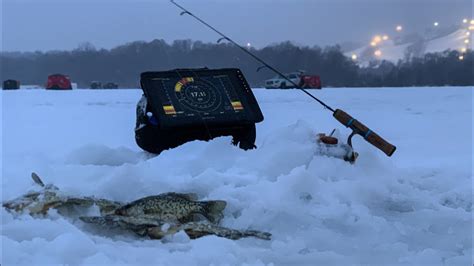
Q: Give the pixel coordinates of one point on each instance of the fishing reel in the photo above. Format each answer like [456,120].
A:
[329,145]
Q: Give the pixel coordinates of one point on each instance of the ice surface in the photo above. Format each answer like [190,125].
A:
[414,208]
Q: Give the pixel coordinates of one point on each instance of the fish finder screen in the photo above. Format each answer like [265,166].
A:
[186,97]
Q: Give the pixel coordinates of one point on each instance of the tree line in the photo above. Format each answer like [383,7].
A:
[123,64]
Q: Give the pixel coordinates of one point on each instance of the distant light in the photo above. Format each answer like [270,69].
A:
[385,37]
[377,39]
[436,24]
[472,21]
[399,28]
[471,27]
[468,33]
[354,57]
[378,53]
[373,44]
[465,20]
[464,49]
[466,41]
[461,57]
[249,45]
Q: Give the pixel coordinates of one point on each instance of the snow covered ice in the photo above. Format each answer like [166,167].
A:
[414,208]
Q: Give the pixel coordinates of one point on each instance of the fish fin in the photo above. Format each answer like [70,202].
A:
[37,179]
[186,196]
[190,196]
[157,232]
[213,210]
[193,234]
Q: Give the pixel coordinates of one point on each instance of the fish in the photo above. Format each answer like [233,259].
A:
[50,197]
[156,229]
[136,224]
[173,207]
[154,216]
[196,230]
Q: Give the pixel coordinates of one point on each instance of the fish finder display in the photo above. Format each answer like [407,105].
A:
[186,97]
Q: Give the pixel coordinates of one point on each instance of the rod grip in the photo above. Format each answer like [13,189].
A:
[359,128]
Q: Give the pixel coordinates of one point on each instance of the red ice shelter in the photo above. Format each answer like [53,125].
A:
[58,82]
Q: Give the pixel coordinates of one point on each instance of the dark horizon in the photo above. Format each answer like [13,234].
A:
[124,65]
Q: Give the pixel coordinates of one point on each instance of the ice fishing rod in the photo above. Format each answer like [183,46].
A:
[341,116]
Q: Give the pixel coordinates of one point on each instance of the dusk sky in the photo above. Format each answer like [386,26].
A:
[29,25]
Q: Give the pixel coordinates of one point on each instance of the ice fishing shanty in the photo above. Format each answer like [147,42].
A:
[11,84]
[58,82]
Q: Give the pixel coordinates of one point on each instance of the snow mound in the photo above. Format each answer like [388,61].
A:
[102,155]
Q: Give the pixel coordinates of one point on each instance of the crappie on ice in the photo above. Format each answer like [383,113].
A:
[156,229]
[174,207]
[50,197]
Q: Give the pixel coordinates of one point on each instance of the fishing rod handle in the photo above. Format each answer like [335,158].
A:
[359,128]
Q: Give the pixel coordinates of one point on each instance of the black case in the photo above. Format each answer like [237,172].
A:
[178,119]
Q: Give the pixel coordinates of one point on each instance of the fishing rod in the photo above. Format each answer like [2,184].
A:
[341,116]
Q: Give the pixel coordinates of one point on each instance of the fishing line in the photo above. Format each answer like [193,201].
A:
[344,118]
[224,37]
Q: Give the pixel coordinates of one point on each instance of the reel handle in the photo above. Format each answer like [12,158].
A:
[359,128]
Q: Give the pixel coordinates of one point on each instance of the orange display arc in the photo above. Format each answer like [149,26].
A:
[182,82]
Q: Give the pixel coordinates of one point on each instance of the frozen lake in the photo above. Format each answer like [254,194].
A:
[414,208]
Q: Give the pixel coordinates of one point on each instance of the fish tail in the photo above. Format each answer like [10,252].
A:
[213,210]
[37,179]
